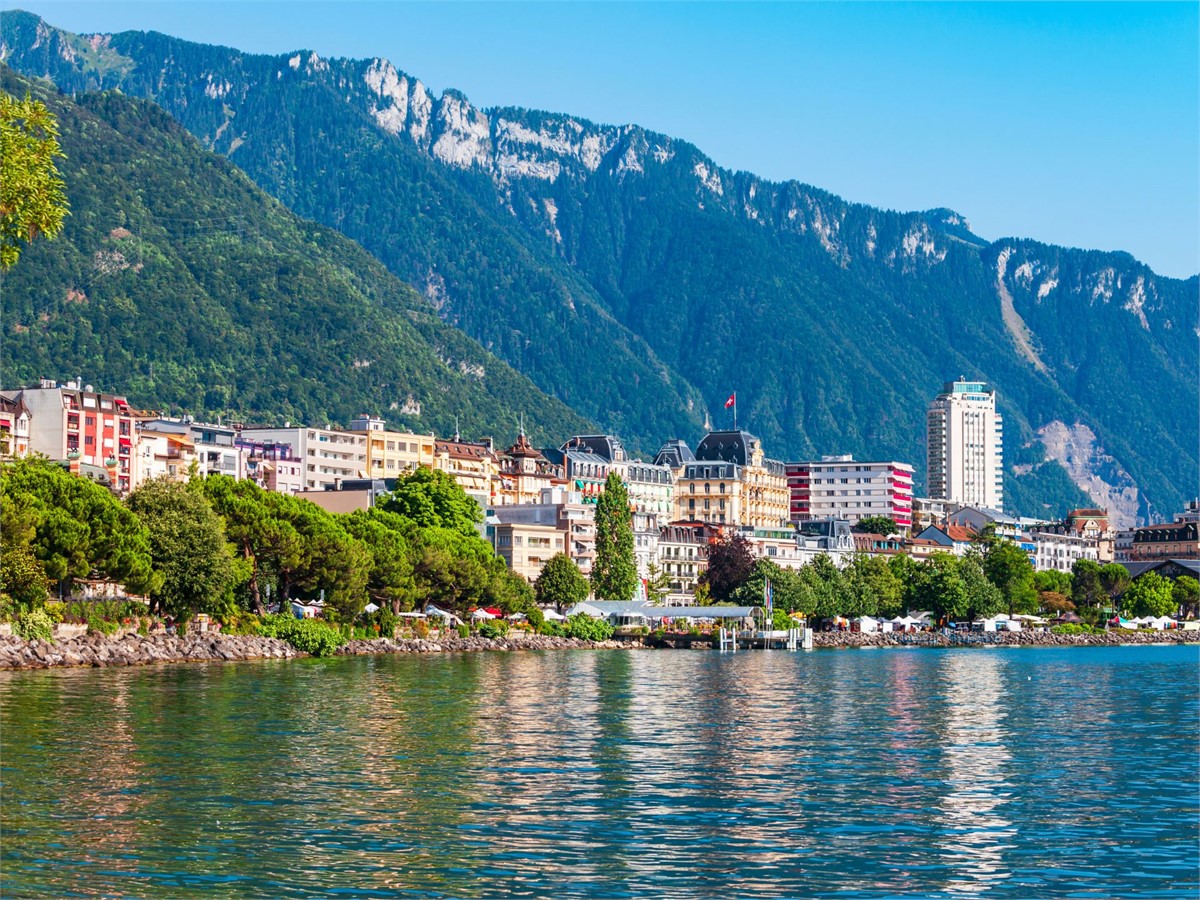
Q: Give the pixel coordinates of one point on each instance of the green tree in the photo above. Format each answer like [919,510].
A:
[827,587]
[790,593]
[884,525]
[614,572]
[1086,587]
[76,528]
[1187,594]
[984,598]
[1114,579]
[1007,566]
[188,547]
[560,583]
[730,565]
[1151,595]
[658,583]
[433,499]
[1052,580]
[874,583]
[940,588]
[23,581]
[390,580]
[33,201]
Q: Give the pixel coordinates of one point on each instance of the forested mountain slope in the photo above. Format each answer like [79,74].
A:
[180,282]
[630,276]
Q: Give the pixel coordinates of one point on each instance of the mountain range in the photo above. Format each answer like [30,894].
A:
[630,277]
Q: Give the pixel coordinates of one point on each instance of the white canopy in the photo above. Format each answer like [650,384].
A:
[907,620]
[370,608]
[553,615]
[482,614]
[1161,622]
[517,617]
[867,625]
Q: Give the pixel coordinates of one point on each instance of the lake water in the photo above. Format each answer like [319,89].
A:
[1022,773]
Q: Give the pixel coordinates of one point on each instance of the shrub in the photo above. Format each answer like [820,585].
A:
[551,628]
[585,628]
[310,636]
[55,609]
[464,630]
[493,630]
[1072,628]
[34,626]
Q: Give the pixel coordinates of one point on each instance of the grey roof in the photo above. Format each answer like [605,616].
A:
[606,446]
[728,446]
[700,612]
[674,454]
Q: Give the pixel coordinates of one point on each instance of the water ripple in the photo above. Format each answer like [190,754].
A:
[944,774]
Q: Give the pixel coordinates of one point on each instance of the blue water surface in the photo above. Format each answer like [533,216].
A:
[1007,773]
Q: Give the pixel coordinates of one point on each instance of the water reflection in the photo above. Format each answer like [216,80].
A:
[935,774]
[978,772]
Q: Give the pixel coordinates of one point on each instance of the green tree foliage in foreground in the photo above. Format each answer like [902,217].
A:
[1008,567]
[433,499]
[560,583]
[73,527]
[1187,594]
[33,201]
[1150,595]
[614,572]
[188,548]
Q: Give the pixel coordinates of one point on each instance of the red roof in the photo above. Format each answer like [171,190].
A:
[960,533]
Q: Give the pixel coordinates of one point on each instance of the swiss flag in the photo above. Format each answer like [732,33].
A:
[732,400]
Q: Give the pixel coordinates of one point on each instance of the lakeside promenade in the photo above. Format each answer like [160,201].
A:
[137,650]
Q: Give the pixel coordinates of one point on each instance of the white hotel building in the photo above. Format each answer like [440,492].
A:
[966,446]
[845,488]
[327,457]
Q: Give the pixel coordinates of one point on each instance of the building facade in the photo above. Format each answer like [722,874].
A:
[272,465]
[965,446]
[392,454]
[731,482]
[843,487]
[473,464]
[14,428]
[76,423]
[327,456]
[526,547]
[683,558]
[1056,548]
[562,510]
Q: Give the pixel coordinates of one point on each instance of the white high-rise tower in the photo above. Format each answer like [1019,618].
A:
[966,446]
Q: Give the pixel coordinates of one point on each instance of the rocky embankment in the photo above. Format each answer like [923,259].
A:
[1006,639]
[138,650]
[475,644]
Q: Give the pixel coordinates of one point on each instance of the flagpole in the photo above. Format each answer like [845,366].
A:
[735,410]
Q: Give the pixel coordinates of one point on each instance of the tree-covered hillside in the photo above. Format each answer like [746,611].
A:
[180,282]
[628,275]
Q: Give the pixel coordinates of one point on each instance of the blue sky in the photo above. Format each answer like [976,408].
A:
[1076,124]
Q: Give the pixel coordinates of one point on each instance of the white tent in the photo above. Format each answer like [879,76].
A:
[517,617]
[905,622]
[553,615]
[1161,622]
[867,625]
[448,618]
[480,614]
[370,608]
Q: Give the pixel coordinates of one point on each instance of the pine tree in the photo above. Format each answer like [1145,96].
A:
[614,573]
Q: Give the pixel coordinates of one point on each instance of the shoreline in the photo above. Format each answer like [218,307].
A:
[98,651]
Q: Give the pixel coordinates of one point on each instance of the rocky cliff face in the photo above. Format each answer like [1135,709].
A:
[628,274]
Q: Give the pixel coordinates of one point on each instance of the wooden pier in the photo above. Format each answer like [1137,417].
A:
[730,640]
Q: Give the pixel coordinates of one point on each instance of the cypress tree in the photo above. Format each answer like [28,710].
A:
[614,573]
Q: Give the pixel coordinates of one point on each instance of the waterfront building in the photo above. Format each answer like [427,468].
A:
[965,447]
[781,546]
[1094,525]
[954,539]
[562,510]
[830,537]
[844,487]
[91,430]
[164,449]
[682,550]
[524,472]
[929,511]
[180,441]
[869,544]
[1057,547]
[526,547]
[272,465]
[392,454]
[473,464]
[587,462]
[1175,540]
[14,428]
[327,455]
[730,481]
